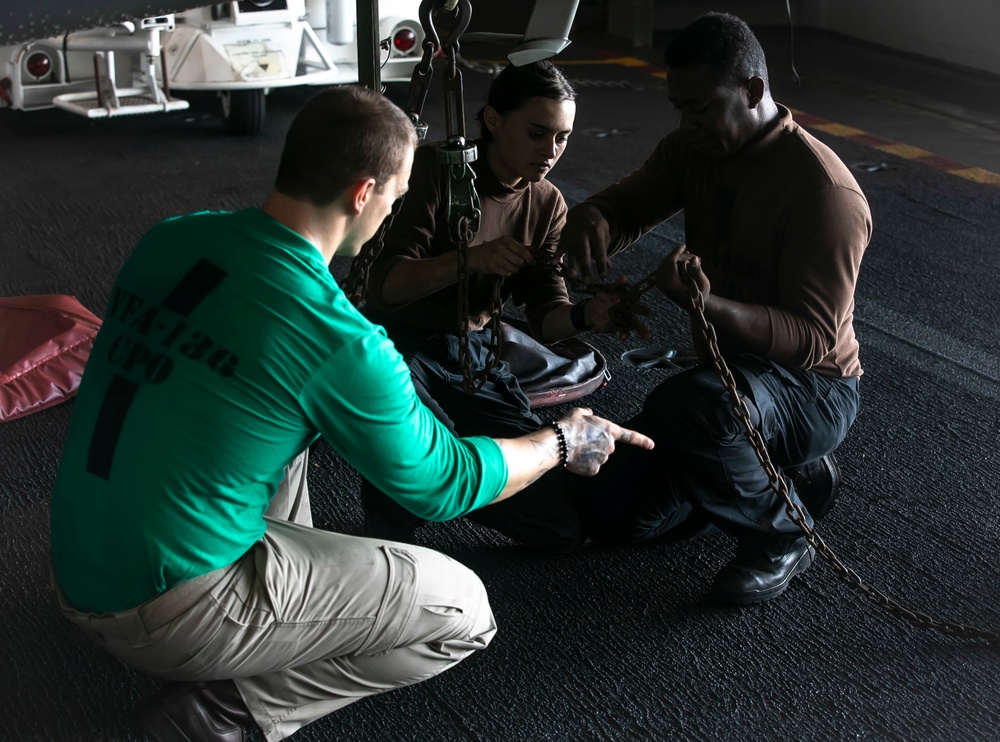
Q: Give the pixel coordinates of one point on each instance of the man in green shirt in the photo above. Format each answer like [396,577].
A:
[181,534]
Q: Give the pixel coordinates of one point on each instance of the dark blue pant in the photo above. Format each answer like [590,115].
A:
[703,476]
[546,515]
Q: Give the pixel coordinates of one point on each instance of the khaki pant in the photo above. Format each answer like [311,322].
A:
[307,621]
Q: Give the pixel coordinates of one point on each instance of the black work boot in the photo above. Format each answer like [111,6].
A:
[762,570]
[197,712]
[817,484]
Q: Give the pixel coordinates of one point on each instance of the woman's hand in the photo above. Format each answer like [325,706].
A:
[605,313]
[500,257]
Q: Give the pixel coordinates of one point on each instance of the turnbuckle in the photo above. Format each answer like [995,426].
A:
[422,72]
[463,211]
[456,152]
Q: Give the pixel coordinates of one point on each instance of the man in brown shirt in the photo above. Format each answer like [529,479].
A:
[776,227]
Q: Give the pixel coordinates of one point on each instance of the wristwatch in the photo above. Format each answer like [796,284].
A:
[577,317]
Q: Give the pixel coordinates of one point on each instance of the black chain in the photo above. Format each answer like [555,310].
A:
[463,202]
[356,283]
[463,212]
[795,511]
[472,382]
[629,295]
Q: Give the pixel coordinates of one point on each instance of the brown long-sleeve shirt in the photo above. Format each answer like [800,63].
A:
[783,224]
[531,213]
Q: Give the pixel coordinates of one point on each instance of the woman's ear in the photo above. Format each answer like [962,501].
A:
[492,119]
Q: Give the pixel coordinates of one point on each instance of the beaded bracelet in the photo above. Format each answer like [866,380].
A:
[563,448]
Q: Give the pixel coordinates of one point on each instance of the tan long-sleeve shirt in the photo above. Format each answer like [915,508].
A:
[531,213]
[783,223]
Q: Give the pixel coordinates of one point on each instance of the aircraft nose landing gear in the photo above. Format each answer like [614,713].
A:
[243,111]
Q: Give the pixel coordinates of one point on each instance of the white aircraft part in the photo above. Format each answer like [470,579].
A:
[342,22]
[40,19]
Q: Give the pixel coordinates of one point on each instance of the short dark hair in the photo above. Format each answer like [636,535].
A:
[512,88]
[725,43]
[341,135]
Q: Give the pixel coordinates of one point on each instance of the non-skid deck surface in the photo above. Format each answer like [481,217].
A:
[604,644]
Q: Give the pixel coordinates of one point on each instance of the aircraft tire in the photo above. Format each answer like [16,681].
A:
[243,112]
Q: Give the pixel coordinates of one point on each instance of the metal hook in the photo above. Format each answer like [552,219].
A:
[464,10]
[430,33]
[463,15]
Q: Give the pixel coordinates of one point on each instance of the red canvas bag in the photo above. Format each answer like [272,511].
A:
[45,341]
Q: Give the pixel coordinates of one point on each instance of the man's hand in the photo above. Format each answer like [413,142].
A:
[584,241]
[500,257]
[675,270]
[590,440]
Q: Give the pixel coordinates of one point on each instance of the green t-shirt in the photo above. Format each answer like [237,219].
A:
[226,349]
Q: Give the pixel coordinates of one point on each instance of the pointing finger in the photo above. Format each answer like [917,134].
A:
[633,438]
